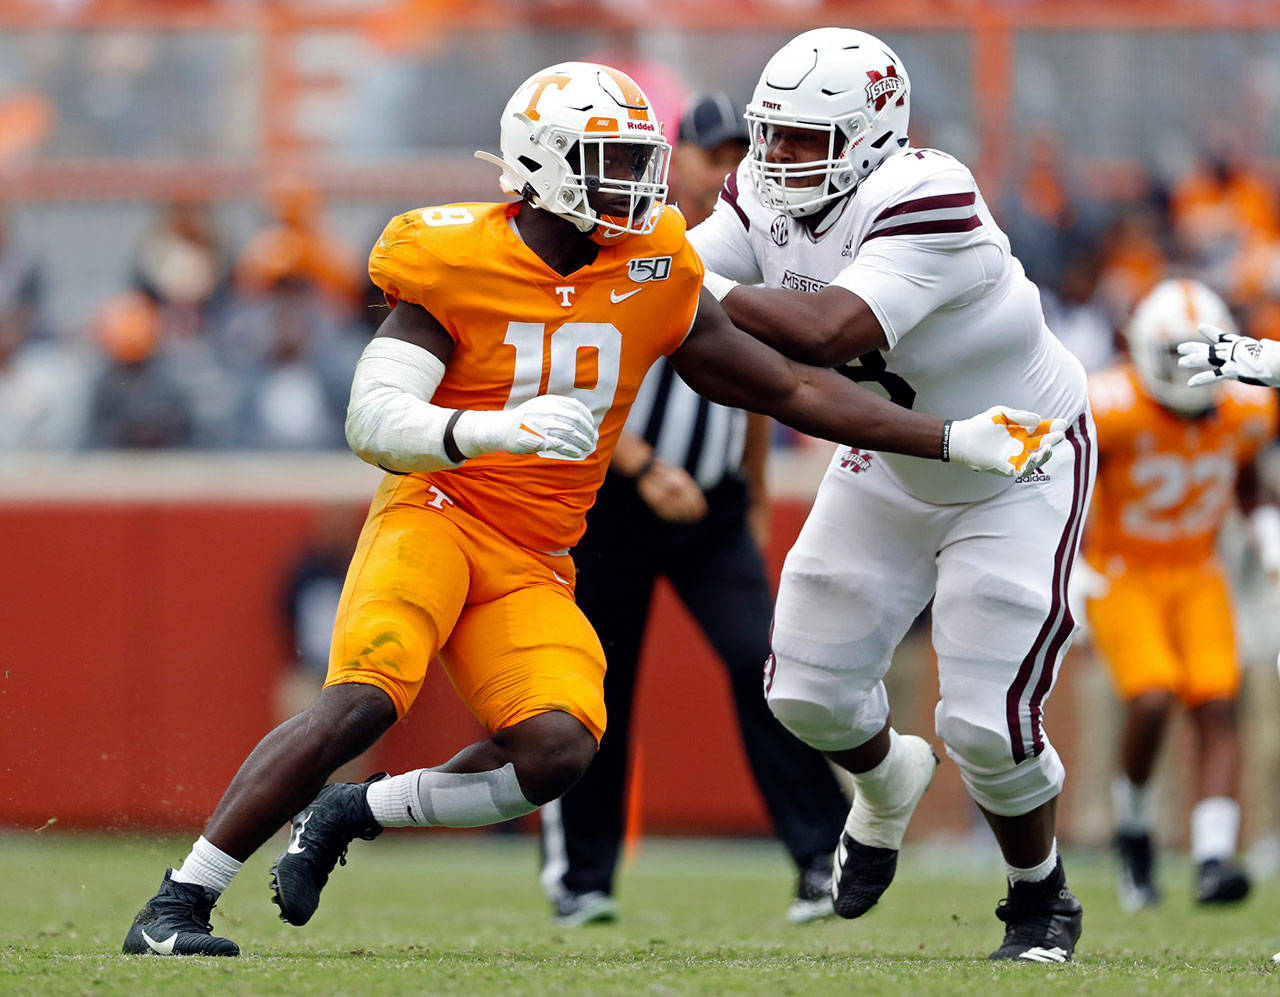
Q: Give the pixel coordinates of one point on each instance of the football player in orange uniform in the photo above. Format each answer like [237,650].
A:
[1171,458]
[493,396]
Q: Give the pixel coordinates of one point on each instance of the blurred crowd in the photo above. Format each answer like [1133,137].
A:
[208,346]
[252,346]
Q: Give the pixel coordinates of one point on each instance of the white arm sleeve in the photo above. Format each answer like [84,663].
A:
[390,419]
[903,281]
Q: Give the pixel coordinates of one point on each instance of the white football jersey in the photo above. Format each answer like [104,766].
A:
[918,244]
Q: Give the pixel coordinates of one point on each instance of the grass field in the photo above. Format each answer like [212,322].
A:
[464,914]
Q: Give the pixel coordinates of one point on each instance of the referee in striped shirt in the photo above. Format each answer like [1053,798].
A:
[685,498]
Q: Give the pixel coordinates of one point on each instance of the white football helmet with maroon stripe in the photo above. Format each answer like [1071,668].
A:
[568,133]
[1167,316]
[846,83]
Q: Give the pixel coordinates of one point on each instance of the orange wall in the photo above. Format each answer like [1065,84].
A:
[143,647]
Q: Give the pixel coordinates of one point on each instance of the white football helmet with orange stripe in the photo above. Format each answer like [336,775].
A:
[581,140]
[846,83]
[1167,316]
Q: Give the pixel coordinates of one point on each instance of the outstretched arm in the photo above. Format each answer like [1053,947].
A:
[825,328]
[1226,354]
[728,366]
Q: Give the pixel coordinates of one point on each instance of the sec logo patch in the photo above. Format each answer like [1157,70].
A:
[779,231]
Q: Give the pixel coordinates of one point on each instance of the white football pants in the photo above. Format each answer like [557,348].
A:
[869,559]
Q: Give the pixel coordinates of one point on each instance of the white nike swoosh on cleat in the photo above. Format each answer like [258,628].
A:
[294,847]
[160,948]
[1037,954]
[617,298]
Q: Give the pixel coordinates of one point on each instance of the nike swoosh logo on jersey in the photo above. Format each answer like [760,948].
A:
[294,847]
[160,948]
[617,298]
[556,576]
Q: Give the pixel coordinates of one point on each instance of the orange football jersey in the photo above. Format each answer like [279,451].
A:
[1166,482]
[521,330]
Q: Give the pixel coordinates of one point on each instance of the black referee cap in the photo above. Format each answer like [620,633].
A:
[710,119]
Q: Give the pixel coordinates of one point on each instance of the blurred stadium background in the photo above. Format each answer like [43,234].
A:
[188,189]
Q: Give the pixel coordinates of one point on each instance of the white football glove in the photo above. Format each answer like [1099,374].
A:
[1229,355]
[1003,440]
[549,425]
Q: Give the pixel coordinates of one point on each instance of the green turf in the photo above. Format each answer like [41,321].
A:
[439,913]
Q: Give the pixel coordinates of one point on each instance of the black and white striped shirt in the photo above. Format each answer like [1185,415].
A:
[685,429]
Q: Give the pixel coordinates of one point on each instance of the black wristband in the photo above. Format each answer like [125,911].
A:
[450,444]
[946,441]
[646,467]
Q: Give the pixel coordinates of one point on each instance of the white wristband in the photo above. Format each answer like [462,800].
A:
[717,285]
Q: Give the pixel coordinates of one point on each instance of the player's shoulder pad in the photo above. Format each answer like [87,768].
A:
[919,192]
[1112,392]
[1253,405]
[668,239]
[738,192]
[417,247]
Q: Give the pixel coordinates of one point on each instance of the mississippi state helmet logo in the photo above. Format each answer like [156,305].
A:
[779,231]
[883,86]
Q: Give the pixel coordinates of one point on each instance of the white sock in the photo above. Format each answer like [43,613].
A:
[887,795]
[1037,873]
[1215,823]
[428,798]
[207,865]
[880,788]
[1131,804]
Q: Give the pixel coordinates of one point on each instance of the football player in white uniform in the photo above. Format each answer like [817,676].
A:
[883,261]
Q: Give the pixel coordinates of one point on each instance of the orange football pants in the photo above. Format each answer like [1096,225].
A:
[1168,628]
[430,580]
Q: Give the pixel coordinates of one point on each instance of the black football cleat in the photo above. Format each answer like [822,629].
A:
[1042,920]
[862,874]
[321,833]
[1136,887]
[813,900]
[1220,881]
[576,909]
[176,922]
[862,871]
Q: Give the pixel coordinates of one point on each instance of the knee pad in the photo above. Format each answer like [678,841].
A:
[985,759]
[824,709]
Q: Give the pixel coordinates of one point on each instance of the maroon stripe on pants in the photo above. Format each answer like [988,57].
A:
[1058,644]
[1027,669]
